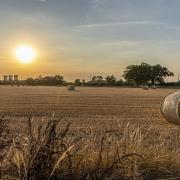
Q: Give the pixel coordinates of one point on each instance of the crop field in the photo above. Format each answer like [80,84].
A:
[86,106]
[115,133]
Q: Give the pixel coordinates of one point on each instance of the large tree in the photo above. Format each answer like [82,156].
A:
[138,74]
[143,73]
[158,73]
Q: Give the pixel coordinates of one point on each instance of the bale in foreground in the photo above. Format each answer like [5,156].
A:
[170,108]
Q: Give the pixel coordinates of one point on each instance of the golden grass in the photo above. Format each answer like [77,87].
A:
[94,133]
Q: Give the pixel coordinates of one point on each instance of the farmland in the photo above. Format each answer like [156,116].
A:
[129,116]
[85,105]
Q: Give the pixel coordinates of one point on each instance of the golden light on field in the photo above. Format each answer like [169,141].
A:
[25,54]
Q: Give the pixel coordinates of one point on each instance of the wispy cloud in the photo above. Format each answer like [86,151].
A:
[113,24]
[41,0]
[99,2]
[123,43]
[127,24]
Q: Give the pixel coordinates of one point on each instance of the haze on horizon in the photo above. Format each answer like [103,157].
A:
[79,38]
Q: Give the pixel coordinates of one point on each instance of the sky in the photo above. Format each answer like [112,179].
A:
[82,38]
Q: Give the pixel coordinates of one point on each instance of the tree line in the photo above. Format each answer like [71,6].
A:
[134,75]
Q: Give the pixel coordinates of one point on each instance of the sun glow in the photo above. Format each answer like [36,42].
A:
[25,54]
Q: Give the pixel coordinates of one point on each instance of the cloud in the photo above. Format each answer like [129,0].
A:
[113,24]
[123,43]
[99,2]
[139,25]
[42,1]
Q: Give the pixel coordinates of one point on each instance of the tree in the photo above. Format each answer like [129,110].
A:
[30,81]
[47,80]
[77,81]
[97,78]
[97,81]
[138,74]
[158,73]
[59,79]
[110,79]
[143,73]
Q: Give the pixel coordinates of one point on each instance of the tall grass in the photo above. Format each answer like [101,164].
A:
[48,149]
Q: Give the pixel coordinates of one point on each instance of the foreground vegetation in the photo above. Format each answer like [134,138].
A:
[45,150]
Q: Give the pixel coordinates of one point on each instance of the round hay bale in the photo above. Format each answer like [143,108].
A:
[146,87]
[170,108]
[153,87]
[140,86]
[71,88]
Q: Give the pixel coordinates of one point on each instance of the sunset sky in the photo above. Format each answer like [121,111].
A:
[80,38]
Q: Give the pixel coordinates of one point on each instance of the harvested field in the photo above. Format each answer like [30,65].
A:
[102,104]
[111,123]
[85,107]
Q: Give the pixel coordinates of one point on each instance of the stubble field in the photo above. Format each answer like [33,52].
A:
[118,132]
[93,106]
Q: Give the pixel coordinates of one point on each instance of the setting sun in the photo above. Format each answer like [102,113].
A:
[25,54]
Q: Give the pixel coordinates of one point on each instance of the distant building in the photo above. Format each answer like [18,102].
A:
[10,77]
[5,78]
[16,78]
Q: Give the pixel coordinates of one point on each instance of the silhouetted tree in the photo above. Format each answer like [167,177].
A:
[158,73]
[143,73]
[97,78]
[77,82]
[83,81]
[29,81]
[47,80]
[111,80]
[139,74]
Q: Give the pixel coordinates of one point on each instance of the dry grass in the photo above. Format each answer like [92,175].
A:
[94,133]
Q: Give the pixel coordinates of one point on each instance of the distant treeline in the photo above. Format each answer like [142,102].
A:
[59,80]
[134,75]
